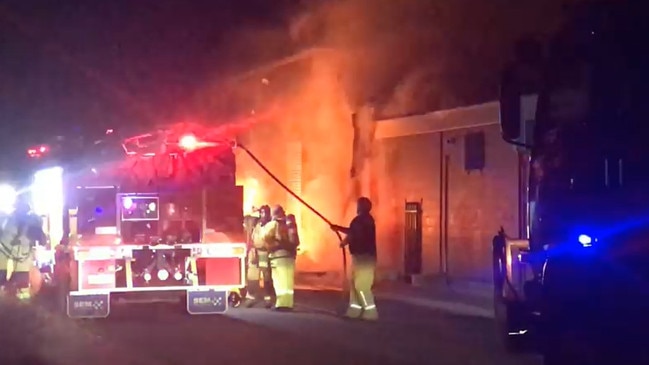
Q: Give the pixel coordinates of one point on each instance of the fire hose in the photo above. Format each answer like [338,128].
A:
[308,206]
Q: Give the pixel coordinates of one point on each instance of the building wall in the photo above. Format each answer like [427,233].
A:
[308,143]
[479,202]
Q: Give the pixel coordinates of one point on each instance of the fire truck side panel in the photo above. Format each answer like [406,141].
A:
[218,266]
[195,191]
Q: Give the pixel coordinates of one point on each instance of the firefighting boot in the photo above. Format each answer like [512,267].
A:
[354,311]
[250,302]
[370,314]
[252,294]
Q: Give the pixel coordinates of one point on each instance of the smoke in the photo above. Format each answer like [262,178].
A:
[328,60]
[421,55]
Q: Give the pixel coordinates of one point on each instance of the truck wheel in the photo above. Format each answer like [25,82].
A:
[510,317]
[552,359]
[234,299]
[569,348]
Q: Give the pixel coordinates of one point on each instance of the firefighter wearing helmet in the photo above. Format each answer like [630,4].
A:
[361,238]
[282,258]
[18,232]
[258,272]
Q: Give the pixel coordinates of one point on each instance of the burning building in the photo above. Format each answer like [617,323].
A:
[447,183]
[442,182]
[303,134]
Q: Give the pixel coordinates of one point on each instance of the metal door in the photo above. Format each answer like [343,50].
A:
[413,239]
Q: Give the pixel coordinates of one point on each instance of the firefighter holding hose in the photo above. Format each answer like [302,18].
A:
[361,239]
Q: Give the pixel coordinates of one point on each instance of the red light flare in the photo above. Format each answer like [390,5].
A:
[222,131]
[38,151]
[188,142]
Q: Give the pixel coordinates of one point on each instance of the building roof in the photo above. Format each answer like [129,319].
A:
[443,120]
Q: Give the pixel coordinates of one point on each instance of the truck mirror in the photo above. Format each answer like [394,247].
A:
[517,116]
[510,107]
[519,87]
[510,124]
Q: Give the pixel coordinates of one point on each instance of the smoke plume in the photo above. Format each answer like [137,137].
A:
[329,60]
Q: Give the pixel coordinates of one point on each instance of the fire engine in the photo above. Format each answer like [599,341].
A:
[154,212]
[575,286]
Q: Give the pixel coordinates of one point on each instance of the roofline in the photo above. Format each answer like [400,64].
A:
[478,115]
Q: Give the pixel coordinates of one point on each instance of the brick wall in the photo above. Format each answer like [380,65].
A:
[407,168]
[479,202]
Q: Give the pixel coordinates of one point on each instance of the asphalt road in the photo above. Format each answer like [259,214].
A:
[162,334]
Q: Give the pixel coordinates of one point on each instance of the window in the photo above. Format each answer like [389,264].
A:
[474,151]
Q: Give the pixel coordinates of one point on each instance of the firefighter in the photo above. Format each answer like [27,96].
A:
[252,269]
[5,254]
[258,264]
[282,259]
[19,231]
[361,238]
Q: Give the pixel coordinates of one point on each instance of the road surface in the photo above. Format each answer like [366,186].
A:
[162,334]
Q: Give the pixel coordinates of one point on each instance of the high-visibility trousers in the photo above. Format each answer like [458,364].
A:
[266,284]
[265,278]
[252,273]
[16,273]
[4,269]
[361,298]
[259,284]
[283,274]
[252,279]
[18,281]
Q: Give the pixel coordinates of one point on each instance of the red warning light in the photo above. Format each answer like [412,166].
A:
[188,142]
[38,151]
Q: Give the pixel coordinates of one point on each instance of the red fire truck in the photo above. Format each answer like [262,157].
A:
[155,212]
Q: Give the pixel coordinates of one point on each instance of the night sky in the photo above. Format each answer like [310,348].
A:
[73,66]
[79,64]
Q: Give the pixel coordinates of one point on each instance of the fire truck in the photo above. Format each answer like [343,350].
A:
[574,285]
[150,213]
